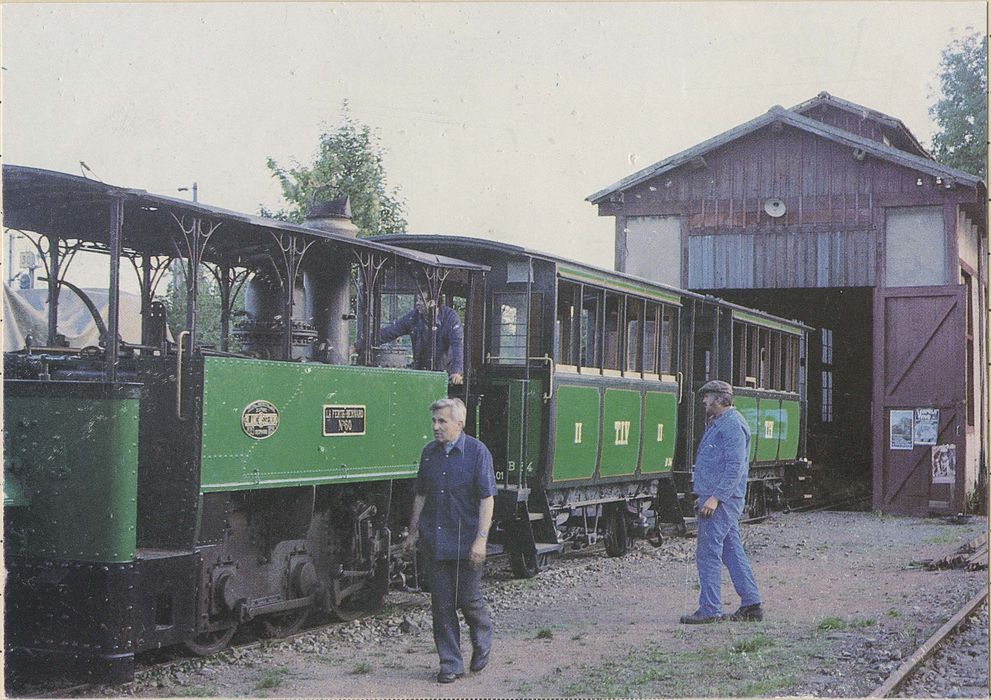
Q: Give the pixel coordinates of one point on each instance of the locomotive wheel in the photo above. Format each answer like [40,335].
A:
[210,642]
[524,565]
[617,538]
[284,624]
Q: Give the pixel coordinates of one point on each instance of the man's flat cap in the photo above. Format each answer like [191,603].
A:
[716,386]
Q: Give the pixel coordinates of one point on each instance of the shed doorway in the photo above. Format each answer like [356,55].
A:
[840,381]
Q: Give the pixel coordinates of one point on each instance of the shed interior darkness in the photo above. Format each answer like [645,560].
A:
[839,434]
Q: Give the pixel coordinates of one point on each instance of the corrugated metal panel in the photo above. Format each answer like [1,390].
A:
[774,259]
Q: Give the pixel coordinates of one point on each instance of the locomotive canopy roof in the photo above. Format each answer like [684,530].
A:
[434,240]
[76,208]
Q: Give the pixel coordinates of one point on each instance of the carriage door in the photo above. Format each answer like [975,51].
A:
[919,360]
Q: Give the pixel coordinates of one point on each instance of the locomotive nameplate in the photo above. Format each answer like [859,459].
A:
[343,420]
[260,419]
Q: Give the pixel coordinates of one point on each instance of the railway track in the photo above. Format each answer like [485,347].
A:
[901,675]
[176,656]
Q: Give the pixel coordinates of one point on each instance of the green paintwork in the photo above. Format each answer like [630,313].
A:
[620,433]
[791,420]
[397,423]
[77,458]
[576,432]
[620,285]
[769,425]
[747,406]
[766,322]
[660,431]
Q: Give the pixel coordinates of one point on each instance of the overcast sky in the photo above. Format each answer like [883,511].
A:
[497,119]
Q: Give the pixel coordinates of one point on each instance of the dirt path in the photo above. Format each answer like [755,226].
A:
[843,606]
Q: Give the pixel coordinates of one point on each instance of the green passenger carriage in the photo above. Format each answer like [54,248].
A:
[583,386]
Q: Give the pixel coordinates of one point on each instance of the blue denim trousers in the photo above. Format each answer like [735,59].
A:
[455,584]
[718,543]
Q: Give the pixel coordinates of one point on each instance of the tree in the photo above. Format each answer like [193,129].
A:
[348,162]
[961,110]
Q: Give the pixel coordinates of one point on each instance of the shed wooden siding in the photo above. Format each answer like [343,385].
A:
[828,234]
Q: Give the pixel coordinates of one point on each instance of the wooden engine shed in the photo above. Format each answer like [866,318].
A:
[834,214]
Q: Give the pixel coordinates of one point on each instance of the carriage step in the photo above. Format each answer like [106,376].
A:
[536,516]
[548,548]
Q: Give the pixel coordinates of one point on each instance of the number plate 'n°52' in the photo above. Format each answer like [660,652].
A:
[343,420]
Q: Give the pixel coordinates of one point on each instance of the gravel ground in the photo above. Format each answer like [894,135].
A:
[957,670]
[844,605]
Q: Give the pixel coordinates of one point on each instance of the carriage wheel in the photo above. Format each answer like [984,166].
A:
[524,564]
[617,538]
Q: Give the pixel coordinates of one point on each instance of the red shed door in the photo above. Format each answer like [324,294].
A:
[919,363]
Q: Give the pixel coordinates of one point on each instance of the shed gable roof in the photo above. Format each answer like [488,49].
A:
[887,121]
[794,119]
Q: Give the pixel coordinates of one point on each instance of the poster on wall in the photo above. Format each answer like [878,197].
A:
[926,426]
[901,430]
[944,462]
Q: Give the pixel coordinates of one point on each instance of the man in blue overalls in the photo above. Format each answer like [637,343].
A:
[418,324]
[452,512]
[719,482]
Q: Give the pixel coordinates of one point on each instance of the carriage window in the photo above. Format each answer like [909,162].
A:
[651,327]
[567,326]
[634,335]
[614,322]
[669,331]
[591,341]
[764,366]
[509,331]
[739,354]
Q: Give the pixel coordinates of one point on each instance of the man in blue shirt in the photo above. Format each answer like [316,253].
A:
[452,512]
[419,325]
[719,482]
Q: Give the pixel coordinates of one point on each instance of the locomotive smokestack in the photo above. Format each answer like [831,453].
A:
[331,215]
[328,289]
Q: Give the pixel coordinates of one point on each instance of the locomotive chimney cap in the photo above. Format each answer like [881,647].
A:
[322,207]
[332,214]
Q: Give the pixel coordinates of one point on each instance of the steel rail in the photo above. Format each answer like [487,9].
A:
[909,666]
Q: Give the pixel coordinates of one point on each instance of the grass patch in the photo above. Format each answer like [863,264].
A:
[749,646]
[577,637]
[860,623]
[828,624]
[545,633]
[831,623]
[893,613]
[759,665]
[361,669]
[271,678]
